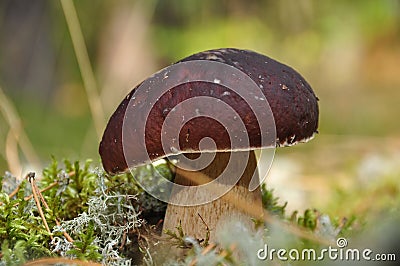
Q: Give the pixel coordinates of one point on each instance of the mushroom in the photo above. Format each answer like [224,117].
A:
[130,133]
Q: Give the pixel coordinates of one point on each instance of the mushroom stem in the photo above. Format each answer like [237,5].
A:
[231,206]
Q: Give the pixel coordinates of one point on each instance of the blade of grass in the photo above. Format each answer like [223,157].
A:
[17,134]
[85,67]
[12,158]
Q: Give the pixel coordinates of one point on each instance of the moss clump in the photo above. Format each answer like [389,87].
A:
[91,216]
[94,217]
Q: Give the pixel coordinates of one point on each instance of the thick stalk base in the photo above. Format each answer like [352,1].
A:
[238,204]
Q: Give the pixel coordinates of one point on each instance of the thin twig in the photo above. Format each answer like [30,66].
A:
[42,190]
[36,191]
[208,248]
[39,192]
[14,192]
[66,235]
[16,130]
[225,253]
[207,230]
[31,179]
[85,67]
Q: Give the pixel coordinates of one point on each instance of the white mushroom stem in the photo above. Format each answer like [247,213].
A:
[237,204]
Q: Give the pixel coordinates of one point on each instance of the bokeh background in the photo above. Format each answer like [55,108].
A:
[349,51]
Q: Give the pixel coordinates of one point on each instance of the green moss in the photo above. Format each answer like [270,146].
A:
[109,219]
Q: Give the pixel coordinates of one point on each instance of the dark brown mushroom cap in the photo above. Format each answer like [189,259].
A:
[291,99]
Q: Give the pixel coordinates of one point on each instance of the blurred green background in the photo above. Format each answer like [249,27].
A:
[349,51]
